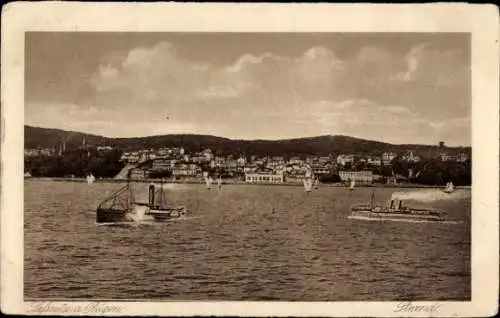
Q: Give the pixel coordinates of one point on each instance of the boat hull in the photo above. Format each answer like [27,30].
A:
[112,216]
[378,213]
[167,214]
[395,216]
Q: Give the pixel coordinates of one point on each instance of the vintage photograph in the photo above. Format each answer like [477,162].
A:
[256,160]
[247,166]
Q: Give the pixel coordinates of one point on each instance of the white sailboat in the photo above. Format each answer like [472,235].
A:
[90,178]
[352,185]
[449,187]
[308,181]
[316,183]
[208,180]
[307,185]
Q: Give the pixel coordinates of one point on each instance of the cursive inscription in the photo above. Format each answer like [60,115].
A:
[96,308]
[411,307]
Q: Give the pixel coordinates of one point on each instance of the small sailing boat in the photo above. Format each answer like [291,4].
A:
[307,185]
[449,187]
[90,178]
[208,180]
[308,182]
[316,183]
[118,207]
[219,183]
[352,185]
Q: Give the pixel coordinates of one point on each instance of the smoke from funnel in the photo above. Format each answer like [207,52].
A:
[431,195]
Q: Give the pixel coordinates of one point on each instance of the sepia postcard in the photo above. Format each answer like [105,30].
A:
[250,159]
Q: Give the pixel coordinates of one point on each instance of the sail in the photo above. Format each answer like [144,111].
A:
[449,187]
[208,182]
[353,184]
[307,184]
[90,178]
[208,179]
[160,197]
[122,199]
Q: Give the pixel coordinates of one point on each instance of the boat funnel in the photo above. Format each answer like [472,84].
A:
[400,204]
[151,195]
[392,204]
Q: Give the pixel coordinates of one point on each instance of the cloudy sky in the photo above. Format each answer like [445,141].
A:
[398,88]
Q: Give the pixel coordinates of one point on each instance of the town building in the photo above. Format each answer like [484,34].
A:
[374,161]
[37,152]
[387,158]
[199,158]
[264,177]
[241,161]
[411,157]
[345,159]
[138,174]
[324,160]
[295,161]
[207,153]
[357,176]
[130,157]
[104,148]
[250,169]
[278,159]
[186,170]
[462,157]
[310,160]
[446,157]
[163,164]
[320,169]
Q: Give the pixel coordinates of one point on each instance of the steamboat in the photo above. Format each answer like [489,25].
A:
[121,207]
[395,210]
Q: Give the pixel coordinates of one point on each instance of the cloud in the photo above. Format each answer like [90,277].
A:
[375,92]
[441,67]
[412,59]
[249,59]
[157,73]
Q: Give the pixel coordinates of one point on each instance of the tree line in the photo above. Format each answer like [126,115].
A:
[77,163]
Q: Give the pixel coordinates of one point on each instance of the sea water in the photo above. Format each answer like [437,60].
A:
[248,242]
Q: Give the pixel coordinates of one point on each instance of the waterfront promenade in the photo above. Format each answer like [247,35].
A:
[239,182]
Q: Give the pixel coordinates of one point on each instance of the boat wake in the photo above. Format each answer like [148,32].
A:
[182,218]
[145,222]
[119,224]
[401,220]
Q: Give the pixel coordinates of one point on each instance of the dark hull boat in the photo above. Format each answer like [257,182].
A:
[112,216]
[118,207]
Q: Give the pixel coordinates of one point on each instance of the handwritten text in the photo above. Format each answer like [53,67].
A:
[75,308]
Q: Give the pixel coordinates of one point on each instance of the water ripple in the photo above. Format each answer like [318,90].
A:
[244,243]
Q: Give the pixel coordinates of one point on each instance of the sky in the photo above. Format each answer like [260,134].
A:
[393,87]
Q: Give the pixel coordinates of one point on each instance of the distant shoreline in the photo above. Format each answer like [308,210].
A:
[238,182]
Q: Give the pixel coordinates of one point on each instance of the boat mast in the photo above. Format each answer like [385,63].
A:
[161,193]
[372,199]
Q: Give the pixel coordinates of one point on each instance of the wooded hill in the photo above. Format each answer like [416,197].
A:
[36,137]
